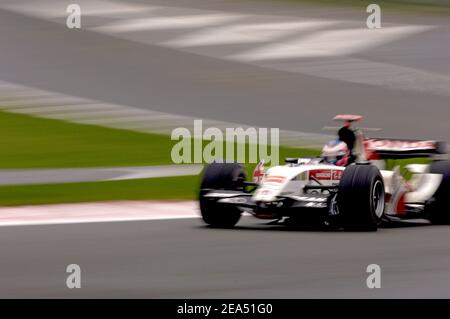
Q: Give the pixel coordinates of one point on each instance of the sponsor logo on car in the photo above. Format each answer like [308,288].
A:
[326,174]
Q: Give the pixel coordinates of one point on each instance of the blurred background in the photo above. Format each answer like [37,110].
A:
[86,116]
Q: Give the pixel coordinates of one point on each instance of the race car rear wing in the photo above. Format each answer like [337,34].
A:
[396,149]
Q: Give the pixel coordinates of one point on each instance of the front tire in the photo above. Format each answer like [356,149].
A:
[361,197]
[221,176]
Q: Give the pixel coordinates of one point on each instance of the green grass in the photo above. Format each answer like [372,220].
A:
[392,163]
[178,188]
[30,142]
[398,6]
[169,188]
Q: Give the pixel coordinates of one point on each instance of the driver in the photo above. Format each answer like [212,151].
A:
[340,151]
[336,152]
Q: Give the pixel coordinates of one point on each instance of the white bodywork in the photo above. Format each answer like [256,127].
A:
[289,180]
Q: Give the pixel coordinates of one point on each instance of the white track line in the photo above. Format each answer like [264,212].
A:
[168,23]
[331,43]
[50,9]
[319,38]
[246,33]
[368,72]
[120,211]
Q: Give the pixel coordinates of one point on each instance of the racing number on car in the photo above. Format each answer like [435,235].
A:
[337,175]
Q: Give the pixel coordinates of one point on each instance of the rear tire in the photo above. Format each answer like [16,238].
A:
[361,197]
[437,207]
[221,176]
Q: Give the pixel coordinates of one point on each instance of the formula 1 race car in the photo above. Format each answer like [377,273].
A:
[357,193]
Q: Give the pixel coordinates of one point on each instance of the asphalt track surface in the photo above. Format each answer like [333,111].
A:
[182,258]
[185,259]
